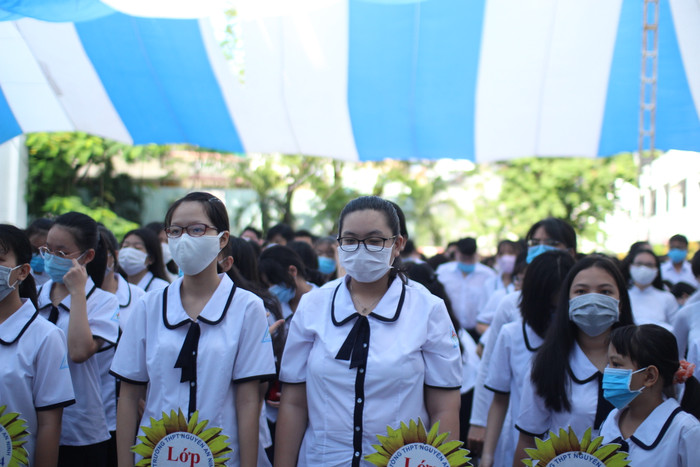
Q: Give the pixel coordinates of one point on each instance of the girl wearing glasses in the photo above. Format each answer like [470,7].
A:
[201,344]
[75,256]
[34,382]
[365,352]
[141,259]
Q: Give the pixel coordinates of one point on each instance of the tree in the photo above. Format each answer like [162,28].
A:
[580,191]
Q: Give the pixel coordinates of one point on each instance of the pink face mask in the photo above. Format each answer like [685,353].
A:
[505,263]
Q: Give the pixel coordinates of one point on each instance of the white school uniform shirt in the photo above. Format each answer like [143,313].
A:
[149,282]
[128,296]
[412,343]
[488,311]
[234,346]
[654,306]
[511,359]
[686,326]
[668,437]
[583,383]
[467,292]
[508,311]
[34,373]
[669,273]
[84,423]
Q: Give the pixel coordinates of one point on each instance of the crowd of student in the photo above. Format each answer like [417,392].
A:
[300,350]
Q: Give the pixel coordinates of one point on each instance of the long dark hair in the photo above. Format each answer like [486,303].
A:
[375,203]
[310,258]
[274,265]
[541,284]
[152,245]
[650,344]
[15,241]
[84,230]
[245,259]
[658,282]
[550,367]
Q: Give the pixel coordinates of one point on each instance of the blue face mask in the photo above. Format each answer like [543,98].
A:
[283,293]
[57,267]
[466,267]
[37,263]
[677,255]
[326,265]
[534,251]
[616,386]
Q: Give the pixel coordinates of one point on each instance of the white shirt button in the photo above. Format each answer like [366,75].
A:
[359,400]
[192,383]
[357,454]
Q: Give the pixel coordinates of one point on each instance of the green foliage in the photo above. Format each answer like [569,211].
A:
[581,191]
[57,205]
[77,164]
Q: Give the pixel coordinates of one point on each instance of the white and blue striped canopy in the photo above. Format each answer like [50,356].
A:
[353,79]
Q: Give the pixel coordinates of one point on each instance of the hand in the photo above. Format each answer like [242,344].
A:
[275,326]
[75,279]
[475,439]
[275,404]
[486,460]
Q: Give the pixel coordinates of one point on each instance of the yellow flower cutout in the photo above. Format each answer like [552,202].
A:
[400,439]
[164,440]
[567,446]
[13,433]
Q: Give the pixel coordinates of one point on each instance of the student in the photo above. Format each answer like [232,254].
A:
[128,296]
[564,385]
[36,232]
[332,409]
[201,344]
[507,253]
[141,259]
[327,257]
[650,302]
[677,269]
[649,423]
[75,256]
[34,378]
[285,274]
[515,345]
[545,235]
[158,228]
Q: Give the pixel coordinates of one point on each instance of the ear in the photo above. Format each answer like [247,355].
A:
[399,245]
[292,270]
[652,376]
[223,241]
[89,256]
[226,263]
[23,272]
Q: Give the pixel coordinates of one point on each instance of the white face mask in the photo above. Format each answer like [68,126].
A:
[642,275]
[5,287]
[132,261]
[194,254]
[167,257]
[366,266]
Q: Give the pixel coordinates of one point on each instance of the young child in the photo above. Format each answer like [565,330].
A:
[639,381]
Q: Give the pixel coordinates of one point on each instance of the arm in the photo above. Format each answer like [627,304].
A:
[48,434]
[291,424]
[81,345]
[524,441]
[443,406]
[248,416]
[128,420]
[494,425]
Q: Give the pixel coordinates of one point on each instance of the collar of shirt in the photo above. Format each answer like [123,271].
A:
[581,367]
[213,310]
[14,326]
[386,308]
[651,428]
[44,297]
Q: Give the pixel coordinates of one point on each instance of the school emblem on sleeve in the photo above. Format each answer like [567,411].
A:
[175,441]
[566,450]
[13,431]
[412,446]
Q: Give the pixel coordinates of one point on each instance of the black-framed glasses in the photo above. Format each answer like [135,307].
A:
[546,241]
[372,244]
[44,250]
[193,230]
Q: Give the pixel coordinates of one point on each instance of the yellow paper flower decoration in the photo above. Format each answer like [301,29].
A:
[567,441]
[415,433]
[16,429]
[174,423]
